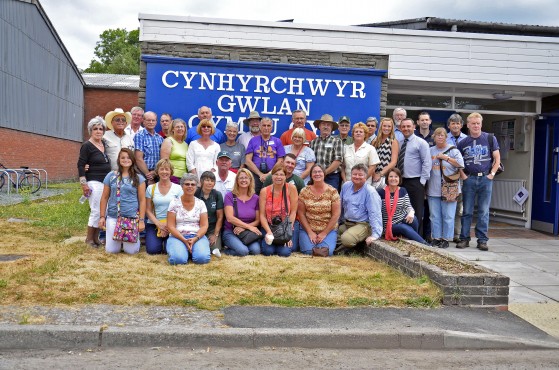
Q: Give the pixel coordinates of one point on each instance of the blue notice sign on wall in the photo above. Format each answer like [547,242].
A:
[232,89]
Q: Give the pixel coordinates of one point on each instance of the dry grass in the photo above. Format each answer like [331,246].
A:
[54,273]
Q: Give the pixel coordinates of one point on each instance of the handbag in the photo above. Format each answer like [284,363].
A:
[246,237]
[320,252]
[126,228]
[163,221]
[283,231]
[449,184]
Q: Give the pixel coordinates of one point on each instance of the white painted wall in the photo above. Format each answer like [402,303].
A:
[414,55]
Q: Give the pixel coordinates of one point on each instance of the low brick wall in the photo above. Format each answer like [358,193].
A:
[486,288]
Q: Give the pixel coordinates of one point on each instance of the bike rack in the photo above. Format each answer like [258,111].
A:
[8,172]
[20,172]
[38,171]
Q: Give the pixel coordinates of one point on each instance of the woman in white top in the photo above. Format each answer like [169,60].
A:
[305,155]
[187,221]
[359,152]
[158,197]
[202,153]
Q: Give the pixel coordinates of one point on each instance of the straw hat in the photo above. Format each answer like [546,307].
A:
[117,112]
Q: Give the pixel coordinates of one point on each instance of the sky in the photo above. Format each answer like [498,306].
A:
[80,22]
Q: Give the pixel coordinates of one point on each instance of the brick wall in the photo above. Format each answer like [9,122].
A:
[57,156]
[99,102]
[330,59]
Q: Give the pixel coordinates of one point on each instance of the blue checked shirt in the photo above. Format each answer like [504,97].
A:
[363,205]
[150,145]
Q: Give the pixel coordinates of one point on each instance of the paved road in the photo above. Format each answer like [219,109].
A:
[269,358]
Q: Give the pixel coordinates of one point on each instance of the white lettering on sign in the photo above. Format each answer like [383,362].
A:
[260,84]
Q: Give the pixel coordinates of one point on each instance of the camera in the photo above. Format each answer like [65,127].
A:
[276,220]
[263,167]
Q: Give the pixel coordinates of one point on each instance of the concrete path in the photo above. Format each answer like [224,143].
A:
[532,264]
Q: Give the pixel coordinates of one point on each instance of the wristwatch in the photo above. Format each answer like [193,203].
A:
[493,173]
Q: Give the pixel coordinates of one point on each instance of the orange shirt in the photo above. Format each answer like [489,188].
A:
[286,137]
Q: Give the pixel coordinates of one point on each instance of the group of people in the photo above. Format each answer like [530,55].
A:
[199,191]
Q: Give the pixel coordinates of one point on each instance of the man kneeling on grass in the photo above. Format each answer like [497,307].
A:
[361,217]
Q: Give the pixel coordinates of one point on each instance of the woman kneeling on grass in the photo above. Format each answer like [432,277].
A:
[277,202]
[318,210]
[242,216]
[187,221]
[125,192]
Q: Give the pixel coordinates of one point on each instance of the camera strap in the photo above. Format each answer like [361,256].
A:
[284,195]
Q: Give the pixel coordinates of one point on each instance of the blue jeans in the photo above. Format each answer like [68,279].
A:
[296,230]
[408,231]
[307,245]
[280,250]
[333,180]
[235,247]
[479,187]
[178,253]
[154,244]
[442,218]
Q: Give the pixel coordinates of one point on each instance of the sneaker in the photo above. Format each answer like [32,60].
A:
[482,246]
[216,253]
[463,243]
[456,239]
[444,244]
[436,243]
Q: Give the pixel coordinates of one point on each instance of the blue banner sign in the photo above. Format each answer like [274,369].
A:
[232,90]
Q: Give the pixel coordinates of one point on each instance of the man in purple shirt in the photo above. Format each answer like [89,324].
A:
[262,153]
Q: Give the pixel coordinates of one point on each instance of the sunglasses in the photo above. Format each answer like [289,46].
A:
[189,184]
[120,119]
[207,127]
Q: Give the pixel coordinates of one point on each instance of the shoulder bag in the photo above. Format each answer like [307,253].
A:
[246,237]
[449,184]
[126,228]
[283,231]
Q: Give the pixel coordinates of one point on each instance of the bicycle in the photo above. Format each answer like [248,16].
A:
[26,181]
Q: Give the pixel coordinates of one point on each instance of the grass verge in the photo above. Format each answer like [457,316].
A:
[55,273]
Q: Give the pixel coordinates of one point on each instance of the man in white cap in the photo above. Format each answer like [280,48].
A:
[116,137]
[205,113]
[253,123]
[224,179]
[328,149]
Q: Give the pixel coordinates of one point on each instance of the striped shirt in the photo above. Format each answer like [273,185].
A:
[403,207]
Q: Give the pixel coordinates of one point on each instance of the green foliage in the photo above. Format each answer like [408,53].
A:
[118,52]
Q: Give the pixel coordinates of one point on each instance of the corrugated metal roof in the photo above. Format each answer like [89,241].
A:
[111,81]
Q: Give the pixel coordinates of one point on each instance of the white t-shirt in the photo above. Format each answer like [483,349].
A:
[187,222]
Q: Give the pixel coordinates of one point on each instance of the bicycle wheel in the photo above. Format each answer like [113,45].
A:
[30,183]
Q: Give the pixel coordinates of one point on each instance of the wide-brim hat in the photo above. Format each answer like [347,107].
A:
[117,112]
[252,115]
[327,119]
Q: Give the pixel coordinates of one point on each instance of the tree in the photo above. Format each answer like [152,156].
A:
[117,52]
